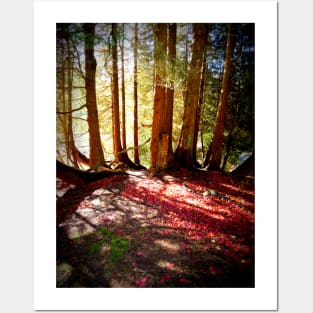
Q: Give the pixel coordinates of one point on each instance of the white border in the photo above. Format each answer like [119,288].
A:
[264,295]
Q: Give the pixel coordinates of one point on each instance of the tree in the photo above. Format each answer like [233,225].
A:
[214,154]
[119,152]
[239,123]
[123,91]
[169,77]
[136,152]
[199,112]
[69,66]
[115,98]
[62,88]
[145,90]
[96,153]
[171,57]
[164,57]
[78,177]
[184,153]
[65,74]
[160,126]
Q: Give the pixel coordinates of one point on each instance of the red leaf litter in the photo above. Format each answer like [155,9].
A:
[183,228]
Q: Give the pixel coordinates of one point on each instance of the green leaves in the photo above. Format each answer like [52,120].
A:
[104,231]
[118,248]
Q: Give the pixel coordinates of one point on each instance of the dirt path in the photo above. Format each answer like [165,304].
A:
[179,229]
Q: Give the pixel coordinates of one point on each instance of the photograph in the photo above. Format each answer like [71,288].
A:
[155,155]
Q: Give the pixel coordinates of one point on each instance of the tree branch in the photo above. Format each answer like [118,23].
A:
[135,147]
[74,110]
[79,118]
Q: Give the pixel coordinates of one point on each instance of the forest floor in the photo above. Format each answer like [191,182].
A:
[178,229]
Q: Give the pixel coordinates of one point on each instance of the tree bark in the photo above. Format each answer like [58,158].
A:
[214,155]
[136,152]
[171,58]
[185,67]
[61,81]
[80,157]
[200,109]
[96,153]
[70,138]
[78,177]
[65,57]
[124,145]
[115,98]
[184,153]
[119,152]
[158,148]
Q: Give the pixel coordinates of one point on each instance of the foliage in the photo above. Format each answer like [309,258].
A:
[118,246]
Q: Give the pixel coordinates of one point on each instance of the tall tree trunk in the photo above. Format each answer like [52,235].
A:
[119,152]
[185,68]
[96,153]
[214,155]
[69,62]
[199,108]
[158,148]
[171,59]
[227,151]
[115,98]
[184,153]
[64,119]
[136,152]
[123,93]
[65,56]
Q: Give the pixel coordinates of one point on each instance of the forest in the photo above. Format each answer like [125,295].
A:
[155,155]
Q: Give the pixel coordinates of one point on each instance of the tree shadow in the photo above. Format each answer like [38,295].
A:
[160,254]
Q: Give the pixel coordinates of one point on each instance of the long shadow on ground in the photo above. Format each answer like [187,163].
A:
[138,231]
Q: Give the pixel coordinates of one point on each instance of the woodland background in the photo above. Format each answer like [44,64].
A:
[149,119]
[155,95]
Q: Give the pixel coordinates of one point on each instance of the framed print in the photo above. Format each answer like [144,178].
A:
[156,127]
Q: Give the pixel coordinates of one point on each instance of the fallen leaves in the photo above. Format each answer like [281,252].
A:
[165,278]
[142,282]
[207,220]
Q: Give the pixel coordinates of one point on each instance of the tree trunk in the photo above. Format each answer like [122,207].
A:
[214,155]
[70,138]
[61,89]
[80,157]
[65,57]
[136,152]
[159,140]
[227,152]
[200,109]
[184,153]
[185,68]
[123,94]
[115,98]
[119,152]
[96,153]
[78,177]
[171,58]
